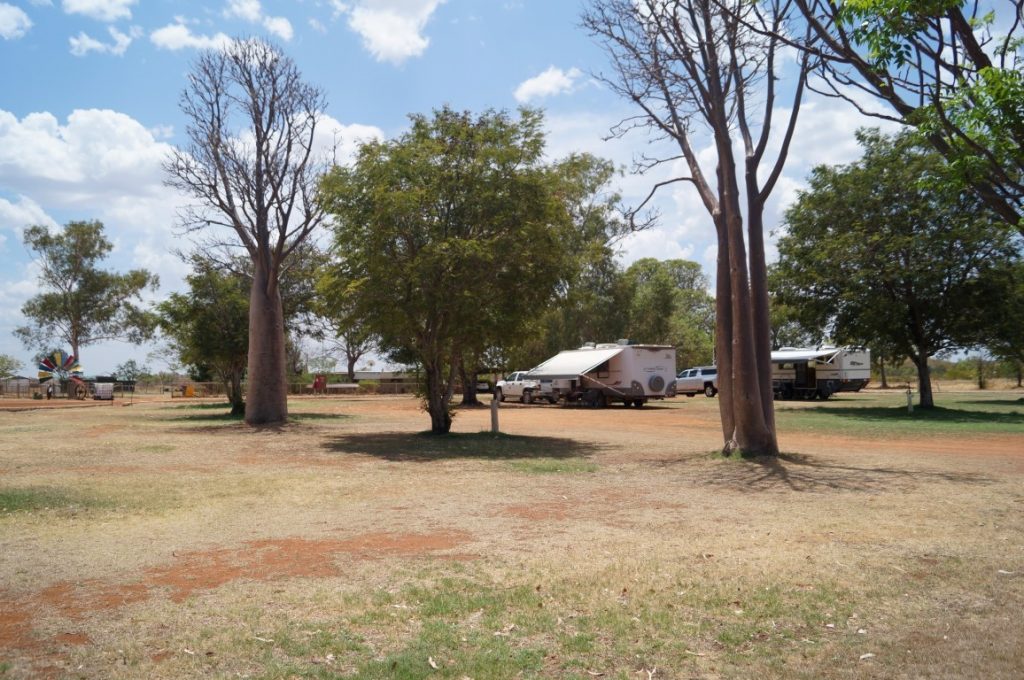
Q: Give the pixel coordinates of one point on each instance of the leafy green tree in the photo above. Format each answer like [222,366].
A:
[952,69]
[591,297]
[670,305]
[448,237]
[1006,340]
[131,370]
[81,303]
[876,251]
[250,165]
[8,365]
[208,327]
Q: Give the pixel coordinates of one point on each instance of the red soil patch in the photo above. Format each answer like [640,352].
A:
[14,629]
[193,572]
[540,511]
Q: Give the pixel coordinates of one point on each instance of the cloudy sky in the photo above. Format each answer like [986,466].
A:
[89,110]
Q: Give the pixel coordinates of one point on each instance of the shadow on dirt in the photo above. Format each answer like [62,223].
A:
[228,417]
[935,415]
[424,447]
[803,473]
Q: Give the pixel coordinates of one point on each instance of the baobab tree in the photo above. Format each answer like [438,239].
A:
[696,68]
[250,166]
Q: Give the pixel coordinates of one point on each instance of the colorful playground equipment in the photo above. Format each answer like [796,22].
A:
[65,369]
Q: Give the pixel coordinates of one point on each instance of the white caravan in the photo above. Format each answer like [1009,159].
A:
[598,375]
[810,373]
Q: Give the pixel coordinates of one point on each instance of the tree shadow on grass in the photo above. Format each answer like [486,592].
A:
[935,415]
[424,447]
[229,417]
[803,473]
[995,402]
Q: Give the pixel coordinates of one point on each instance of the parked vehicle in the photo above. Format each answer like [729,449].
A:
[819,373]
[519,386]
[698,379]
[598,375]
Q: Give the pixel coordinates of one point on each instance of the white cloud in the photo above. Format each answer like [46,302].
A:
[280,27]
[178,37]
[83,43]
[22,213]
[553,81]
[42,3]
[317,25]
[102,10]
[343,140]
[392,30]
[14,23]
[250,10]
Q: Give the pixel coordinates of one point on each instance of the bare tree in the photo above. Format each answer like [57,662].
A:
[940,67]
[693,67]
[249,164]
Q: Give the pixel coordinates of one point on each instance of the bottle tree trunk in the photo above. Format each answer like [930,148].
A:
[752,434]
[267,394]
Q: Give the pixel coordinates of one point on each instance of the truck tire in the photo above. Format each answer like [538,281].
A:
[639,402]
[709,390]
[527,396]
[498,395]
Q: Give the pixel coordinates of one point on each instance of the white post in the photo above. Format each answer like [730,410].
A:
[494,413]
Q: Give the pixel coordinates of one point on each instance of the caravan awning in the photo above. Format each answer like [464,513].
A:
[803,354]
[574,362]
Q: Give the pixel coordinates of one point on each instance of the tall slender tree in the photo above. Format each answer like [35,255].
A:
[693,67]
[82,304]
[250,165]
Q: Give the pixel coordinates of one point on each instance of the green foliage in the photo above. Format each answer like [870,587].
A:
[878,253]
[131,370]
[8,365]
[82,304]
[448,238]
[209,325]
[946,70]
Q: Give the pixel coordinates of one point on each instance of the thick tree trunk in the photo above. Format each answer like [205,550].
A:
[235,394]
[924,382]
[438,397]
[752,435]
[723,332]
[468,379]
[881,369]
[1020,373]
[759,307]
[982,383]
[351,362]
[267,398]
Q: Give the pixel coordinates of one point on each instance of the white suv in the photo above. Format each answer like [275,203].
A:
[516,386]
[700,379]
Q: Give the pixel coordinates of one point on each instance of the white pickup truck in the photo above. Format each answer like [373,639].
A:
[518,386]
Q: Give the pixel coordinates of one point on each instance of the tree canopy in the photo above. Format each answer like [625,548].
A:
[82,304]
[876,251]
[208,326]
[952,69]
[448,237]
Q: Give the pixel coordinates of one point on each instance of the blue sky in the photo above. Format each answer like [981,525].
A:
[89,109]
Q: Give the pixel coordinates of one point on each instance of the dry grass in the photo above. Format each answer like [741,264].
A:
[167,541]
